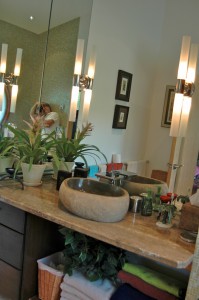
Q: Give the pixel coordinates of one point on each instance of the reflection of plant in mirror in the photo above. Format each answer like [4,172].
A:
[29,145]
[6,145]
[68,150]
[95,259]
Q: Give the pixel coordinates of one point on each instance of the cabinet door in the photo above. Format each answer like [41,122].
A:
[12,217]
[9,282]
[11,247]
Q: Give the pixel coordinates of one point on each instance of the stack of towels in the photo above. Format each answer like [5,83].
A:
[152,283]
[78,287]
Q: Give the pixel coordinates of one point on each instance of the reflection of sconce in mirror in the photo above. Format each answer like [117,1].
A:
[9,79]
[82,82]
[184,88]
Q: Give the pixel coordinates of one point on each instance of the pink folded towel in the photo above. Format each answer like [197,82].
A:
[96,290]
[66,288]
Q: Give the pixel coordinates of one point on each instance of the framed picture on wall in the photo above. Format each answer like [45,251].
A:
[123,87]
[120,117]
[168,106]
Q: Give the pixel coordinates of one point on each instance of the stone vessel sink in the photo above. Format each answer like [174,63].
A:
[136,185]
[94,200]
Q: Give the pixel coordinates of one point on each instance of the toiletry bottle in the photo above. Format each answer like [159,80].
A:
[146,208]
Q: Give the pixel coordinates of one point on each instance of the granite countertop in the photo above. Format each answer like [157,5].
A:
[135,233]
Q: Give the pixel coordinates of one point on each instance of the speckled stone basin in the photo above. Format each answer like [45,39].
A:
[94,200]
[135,185]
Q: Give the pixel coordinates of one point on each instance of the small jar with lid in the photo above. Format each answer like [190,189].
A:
[146,207]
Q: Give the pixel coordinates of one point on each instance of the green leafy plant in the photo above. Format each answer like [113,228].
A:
[29,145]
[95,259]
[6,145]
[183,199]
[69,149]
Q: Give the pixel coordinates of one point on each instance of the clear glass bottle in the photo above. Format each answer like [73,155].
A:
[157,201]
[147,207]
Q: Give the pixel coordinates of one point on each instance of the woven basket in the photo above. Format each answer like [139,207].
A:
[50,279]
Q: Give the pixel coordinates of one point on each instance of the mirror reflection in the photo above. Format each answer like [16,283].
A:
[46,68]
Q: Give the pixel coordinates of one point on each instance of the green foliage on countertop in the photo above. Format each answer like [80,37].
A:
[6,145]
[70,149]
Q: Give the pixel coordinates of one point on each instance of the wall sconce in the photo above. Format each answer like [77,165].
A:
[184,88]
[9,79]
[88,86]
[82,83]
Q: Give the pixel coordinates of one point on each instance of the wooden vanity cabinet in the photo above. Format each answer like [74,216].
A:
[24,238]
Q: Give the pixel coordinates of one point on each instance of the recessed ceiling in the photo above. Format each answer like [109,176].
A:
[18,12]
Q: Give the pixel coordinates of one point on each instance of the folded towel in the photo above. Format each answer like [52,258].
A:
[127,292]
[157,279]
[97,290]
[102,168]
[115,166]
[69,296]
[66,288]
[93,170]
[144,287]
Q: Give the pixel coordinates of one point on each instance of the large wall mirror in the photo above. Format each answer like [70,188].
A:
[49,47]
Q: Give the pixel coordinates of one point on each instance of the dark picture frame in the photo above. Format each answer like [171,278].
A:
[168,106]
[123,88]
[120,117]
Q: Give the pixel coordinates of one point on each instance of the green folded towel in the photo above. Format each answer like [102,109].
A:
[157,279]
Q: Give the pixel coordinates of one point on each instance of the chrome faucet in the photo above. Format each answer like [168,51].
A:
[114,177]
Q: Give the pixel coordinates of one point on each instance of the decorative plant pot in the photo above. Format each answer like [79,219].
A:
[33,176]
[6,162]
[64,166]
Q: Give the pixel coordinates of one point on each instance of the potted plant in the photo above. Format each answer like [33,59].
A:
[66,150]
[31,150]
[6,151]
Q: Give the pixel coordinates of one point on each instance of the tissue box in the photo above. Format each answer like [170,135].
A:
[189,219]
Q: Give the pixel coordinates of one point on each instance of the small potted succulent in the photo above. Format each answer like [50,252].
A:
[66,151]
[31,150]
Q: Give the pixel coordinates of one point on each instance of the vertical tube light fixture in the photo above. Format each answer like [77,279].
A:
[4,50]
[9,79]
[17,70]
[76,80]
[189,89]
[179,105]
[88,90]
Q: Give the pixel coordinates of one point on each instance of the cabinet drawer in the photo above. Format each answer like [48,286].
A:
[11,247]
[10,282]
[12,217]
